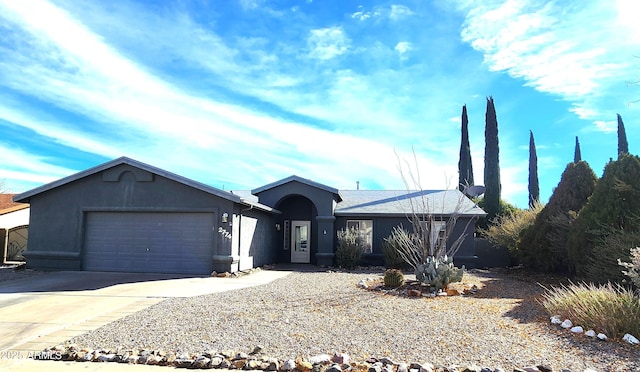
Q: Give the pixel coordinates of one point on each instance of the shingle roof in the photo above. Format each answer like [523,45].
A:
[295,178]
[399,202]
[26,196]
[6,201]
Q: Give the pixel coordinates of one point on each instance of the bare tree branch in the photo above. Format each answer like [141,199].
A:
[431,228]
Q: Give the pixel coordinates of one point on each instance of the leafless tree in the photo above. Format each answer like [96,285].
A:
[432,225]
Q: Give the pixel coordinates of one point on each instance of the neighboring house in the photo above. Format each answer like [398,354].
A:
[14,228]
[125,215]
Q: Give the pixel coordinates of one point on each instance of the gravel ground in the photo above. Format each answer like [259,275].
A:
[9,272]
[309,313]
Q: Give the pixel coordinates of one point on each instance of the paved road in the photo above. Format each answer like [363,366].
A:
[41,311]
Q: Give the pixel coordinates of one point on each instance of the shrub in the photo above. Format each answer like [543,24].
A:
[613,207]
[505,232]
[350,248]
[392,257]
[506,209]
[393,278]
[615,246]
[543,245]
[610,308]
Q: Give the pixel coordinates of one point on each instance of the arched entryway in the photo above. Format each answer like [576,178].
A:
[297,238]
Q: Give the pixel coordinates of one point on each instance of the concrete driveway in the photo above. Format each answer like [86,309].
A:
[45,310]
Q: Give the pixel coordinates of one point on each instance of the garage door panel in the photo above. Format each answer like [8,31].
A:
[149,242]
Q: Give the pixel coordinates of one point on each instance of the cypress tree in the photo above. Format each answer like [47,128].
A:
[577,155]
[611,213]
[491,163]
[623,145]
[465,168]
[534,187]
[543,245]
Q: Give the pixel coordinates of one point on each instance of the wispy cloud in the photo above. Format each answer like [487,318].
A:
[403,47]
[579,52]
[24,168]
[327,43]
[399,12]
[137,114]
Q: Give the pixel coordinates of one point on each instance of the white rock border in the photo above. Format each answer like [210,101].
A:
[568,325]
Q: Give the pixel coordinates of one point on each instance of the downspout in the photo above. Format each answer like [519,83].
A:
[240,231]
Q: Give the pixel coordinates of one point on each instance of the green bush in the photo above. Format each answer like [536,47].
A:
[506,209]
[392,258]
[633,267]
[543,245]
[613,207]
[610,309]
[350,249]
[615,246]
[505,231]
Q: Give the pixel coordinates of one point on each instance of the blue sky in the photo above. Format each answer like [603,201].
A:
[237,94]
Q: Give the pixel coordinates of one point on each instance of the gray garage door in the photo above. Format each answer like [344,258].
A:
[149,242]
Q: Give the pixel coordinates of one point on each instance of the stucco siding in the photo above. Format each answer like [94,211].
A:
[57,215]
[383,226]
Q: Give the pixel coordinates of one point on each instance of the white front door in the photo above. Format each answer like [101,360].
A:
[300,241]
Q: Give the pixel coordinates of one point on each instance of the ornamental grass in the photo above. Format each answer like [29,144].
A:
[610,308]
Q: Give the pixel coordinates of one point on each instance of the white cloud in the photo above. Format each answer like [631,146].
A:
[399,11]
[136,114]
[250,4]
[361,14]
[606,126]
[327,43]
[22,170]
[579,52]
[403,47]
[583,112]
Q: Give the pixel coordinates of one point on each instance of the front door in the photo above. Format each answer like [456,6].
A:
[300,241]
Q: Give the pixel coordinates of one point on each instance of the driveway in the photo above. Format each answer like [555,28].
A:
[45,310]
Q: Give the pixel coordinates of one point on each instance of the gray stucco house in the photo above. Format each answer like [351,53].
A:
[125,215]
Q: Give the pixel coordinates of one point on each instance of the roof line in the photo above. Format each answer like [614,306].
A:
[26,196]
[297,179]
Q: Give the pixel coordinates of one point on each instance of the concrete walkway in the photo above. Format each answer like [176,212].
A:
[46,310]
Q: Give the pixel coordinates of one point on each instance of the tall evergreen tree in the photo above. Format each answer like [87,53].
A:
[534,187]
[491,163]
[543,245]
[577,155]
[465,168]
[611,212]
[623,145]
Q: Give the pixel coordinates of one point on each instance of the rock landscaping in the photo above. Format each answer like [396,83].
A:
[322,321]
[232,360]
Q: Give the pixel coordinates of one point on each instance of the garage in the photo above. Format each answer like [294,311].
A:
[154,242]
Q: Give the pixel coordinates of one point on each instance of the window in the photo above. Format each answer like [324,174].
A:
[437,234]
[287,235]
[365,232]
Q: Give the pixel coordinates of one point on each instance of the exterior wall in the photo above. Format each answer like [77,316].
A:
[382,227]
[57,216]
[253,233]
[322,222]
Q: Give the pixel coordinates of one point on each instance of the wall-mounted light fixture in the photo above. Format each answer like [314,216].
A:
[278,226]
[225,217]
